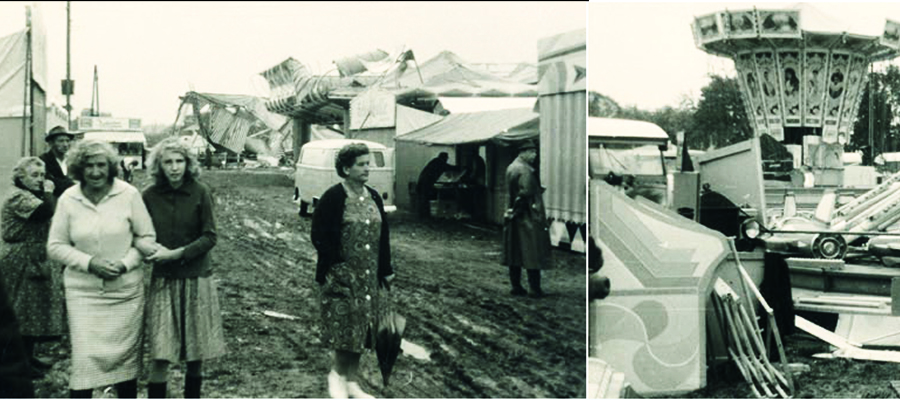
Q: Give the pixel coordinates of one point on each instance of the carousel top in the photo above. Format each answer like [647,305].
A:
[727,33]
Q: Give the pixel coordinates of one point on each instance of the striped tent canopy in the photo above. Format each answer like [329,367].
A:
[322,99]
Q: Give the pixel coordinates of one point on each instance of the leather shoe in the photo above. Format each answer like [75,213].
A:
[537,294]
[41,362]
[356,392]
[337,386]
[518,291]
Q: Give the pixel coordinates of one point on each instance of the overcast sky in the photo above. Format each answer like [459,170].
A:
[149,53]
[643,54]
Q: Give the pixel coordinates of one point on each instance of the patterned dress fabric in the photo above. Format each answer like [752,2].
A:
[184,321]
[33,282]
[350,296]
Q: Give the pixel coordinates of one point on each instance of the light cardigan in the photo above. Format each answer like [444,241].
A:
[112,229]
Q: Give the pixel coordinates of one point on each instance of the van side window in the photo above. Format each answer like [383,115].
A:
[378,158]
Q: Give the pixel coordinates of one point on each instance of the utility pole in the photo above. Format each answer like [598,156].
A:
[95,97]
[68,88]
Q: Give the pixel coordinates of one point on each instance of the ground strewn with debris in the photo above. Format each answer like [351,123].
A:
[469,337]
[837,378]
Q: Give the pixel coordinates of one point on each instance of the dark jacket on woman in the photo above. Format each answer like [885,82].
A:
[15,379]
[326,232]
[183,217]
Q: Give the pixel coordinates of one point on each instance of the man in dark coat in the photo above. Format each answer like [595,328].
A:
[15,372]
[526,235]
[425,185]
[55,159]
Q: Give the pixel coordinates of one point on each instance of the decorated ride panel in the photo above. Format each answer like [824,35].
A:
[652,326]
[795,78]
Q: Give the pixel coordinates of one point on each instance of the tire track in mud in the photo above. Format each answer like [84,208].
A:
[482,342]
[531,348]
[477,352]
[281,272]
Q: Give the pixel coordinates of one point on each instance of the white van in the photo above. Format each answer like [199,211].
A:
[315,172]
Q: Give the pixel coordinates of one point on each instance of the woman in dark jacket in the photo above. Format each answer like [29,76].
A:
[350,233]
[184,321]
[33,282]
[15,371]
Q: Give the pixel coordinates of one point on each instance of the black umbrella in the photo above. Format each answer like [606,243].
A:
[387,343]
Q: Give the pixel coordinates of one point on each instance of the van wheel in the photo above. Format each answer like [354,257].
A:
[304,209]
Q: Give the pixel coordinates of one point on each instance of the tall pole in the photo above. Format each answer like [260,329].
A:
[69,64]
[871,114]
[95,97]
[27,106]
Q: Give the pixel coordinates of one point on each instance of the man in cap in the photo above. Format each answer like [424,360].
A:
[55,159]
[526,236]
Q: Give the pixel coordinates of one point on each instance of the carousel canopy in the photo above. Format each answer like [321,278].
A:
[794,73]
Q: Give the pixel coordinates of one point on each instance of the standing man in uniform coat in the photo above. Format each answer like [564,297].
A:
[55,159]
[526,236]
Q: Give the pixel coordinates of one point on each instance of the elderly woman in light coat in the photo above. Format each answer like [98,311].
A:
[96,229]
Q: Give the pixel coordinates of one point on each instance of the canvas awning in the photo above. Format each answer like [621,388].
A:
[502,126]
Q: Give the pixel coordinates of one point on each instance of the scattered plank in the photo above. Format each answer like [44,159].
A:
[275,314]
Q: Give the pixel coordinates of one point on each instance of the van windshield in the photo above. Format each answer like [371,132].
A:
[625,160]
[130,149]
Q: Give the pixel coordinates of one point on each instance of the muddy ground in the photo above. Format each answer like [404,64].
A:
[468,337]
[826,378]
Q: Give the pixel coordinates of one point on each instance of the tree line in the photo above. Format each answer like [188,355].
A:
[719,118]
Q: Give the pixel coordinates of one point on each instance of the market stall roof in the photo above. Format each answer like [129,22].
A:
[475,104]
[504,126]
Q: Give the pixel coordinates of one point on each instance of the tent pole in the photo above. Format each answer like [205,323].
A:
[25,98]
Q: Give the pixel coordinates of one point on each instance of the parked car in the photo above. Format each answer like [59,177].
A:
[315,172]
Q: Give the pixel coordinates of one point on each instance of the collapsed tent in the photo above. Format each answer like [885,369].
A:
[490,135]
[238,123]
[323,99]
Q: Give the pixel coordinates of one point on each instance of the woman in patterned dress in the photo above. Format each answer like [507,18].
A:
[184,320]
[96,231]
[350,233]
[34,293]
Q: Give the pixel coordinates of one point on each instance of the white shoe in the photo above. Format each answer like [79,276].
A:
[356,392]
[337,386]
